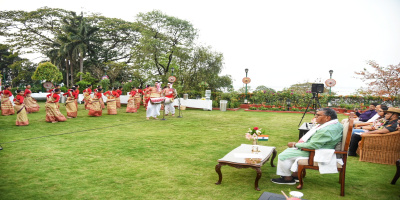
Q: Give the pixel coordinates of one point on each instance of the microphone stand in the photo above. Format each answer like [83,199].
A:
[179,106]
[163,115]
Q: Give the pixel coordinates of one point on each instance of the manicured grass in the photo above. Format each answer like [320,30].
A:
[127,157]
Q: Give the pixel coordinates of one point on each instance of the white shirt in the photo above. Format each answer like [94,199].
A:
[375,117]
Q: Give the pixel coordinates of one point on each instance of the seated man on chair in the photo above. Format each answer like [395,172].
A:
[325,135]
[368,114]
[391,116]
[365,127]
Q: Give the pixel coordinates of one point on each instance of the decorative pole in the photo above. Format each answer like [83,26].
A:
[246,70]
[330,88]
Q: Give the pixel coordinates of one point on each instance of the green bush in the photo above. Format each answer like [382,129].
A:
[262,108]
[64,89]
[36,88]
[127,87]
[252,108]
[215,104]
[104,84]
[83,85]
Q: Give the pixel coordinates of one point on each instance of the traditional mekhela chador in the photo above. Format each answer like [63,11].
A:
[95,108]
[53,113]
[87,97]
[131,106]
[70,106]
[111,101]
[7,107]
[30,103]
[20,109]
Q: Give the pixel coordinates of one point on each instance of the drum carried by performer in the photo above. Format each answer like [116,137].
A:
[170,94]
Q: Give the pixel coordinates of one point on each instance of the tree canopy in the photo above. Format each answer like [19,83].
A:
[140,51]
[381,81]
[47,71]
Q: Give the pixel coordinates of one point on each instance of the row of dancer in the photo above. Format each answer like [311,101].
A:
[22,104]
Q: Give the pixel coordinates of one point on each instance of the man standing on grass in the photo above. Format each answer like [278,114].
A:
[169,93]
[153,106]
[325,135]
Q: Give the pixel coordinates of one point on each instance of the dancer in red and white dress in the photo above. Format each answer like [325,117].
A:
[111,102]
[118,100]
[100,88]
[95,109]
[30,103]
[138,97]
[76,95]
[131,106]
[53,113]
[146,96]
[72,111]
[87,97]
[7,107]
[22,117]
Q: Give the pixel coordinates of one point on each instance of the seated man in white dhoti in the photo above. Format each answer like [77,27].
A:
[325,135]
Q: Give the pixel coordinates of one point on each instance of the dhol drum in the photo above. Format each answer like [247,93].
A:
[168,100]
[157,99]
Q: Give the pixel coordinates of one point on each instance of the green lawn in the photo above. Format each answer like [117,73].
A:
[128,157]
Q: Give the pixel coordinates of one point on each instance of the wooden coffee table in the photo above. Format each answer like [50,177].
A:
[242,157]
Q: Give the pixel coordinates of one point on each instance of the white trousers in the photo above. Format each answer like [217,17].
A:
[284,166]
[153,110]
[169,108]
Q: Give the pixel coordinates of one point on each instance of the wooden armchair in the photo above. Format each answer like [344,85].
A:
[380,148]
[341,152]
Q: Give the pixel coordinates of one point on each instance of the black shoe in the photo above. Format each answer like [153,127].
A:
[352,154]
[283,181]
[294,178]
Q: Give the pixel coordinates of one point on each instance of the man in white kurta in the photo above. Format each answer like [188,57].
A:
[325,135]
[169,93]
[153,109]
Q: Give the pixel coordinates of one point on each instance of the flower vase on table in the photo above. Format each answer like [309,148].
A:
[253,134]
[254,148]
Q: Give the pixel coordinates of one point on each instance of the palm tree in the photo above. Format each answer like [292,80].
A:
[79,38]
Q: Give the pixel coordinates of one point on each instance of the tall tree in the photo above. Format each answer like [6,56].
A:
[80,37]
[382,80]
[6,59]
[202,64]
[118,37]
[162,37]
[36,30]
